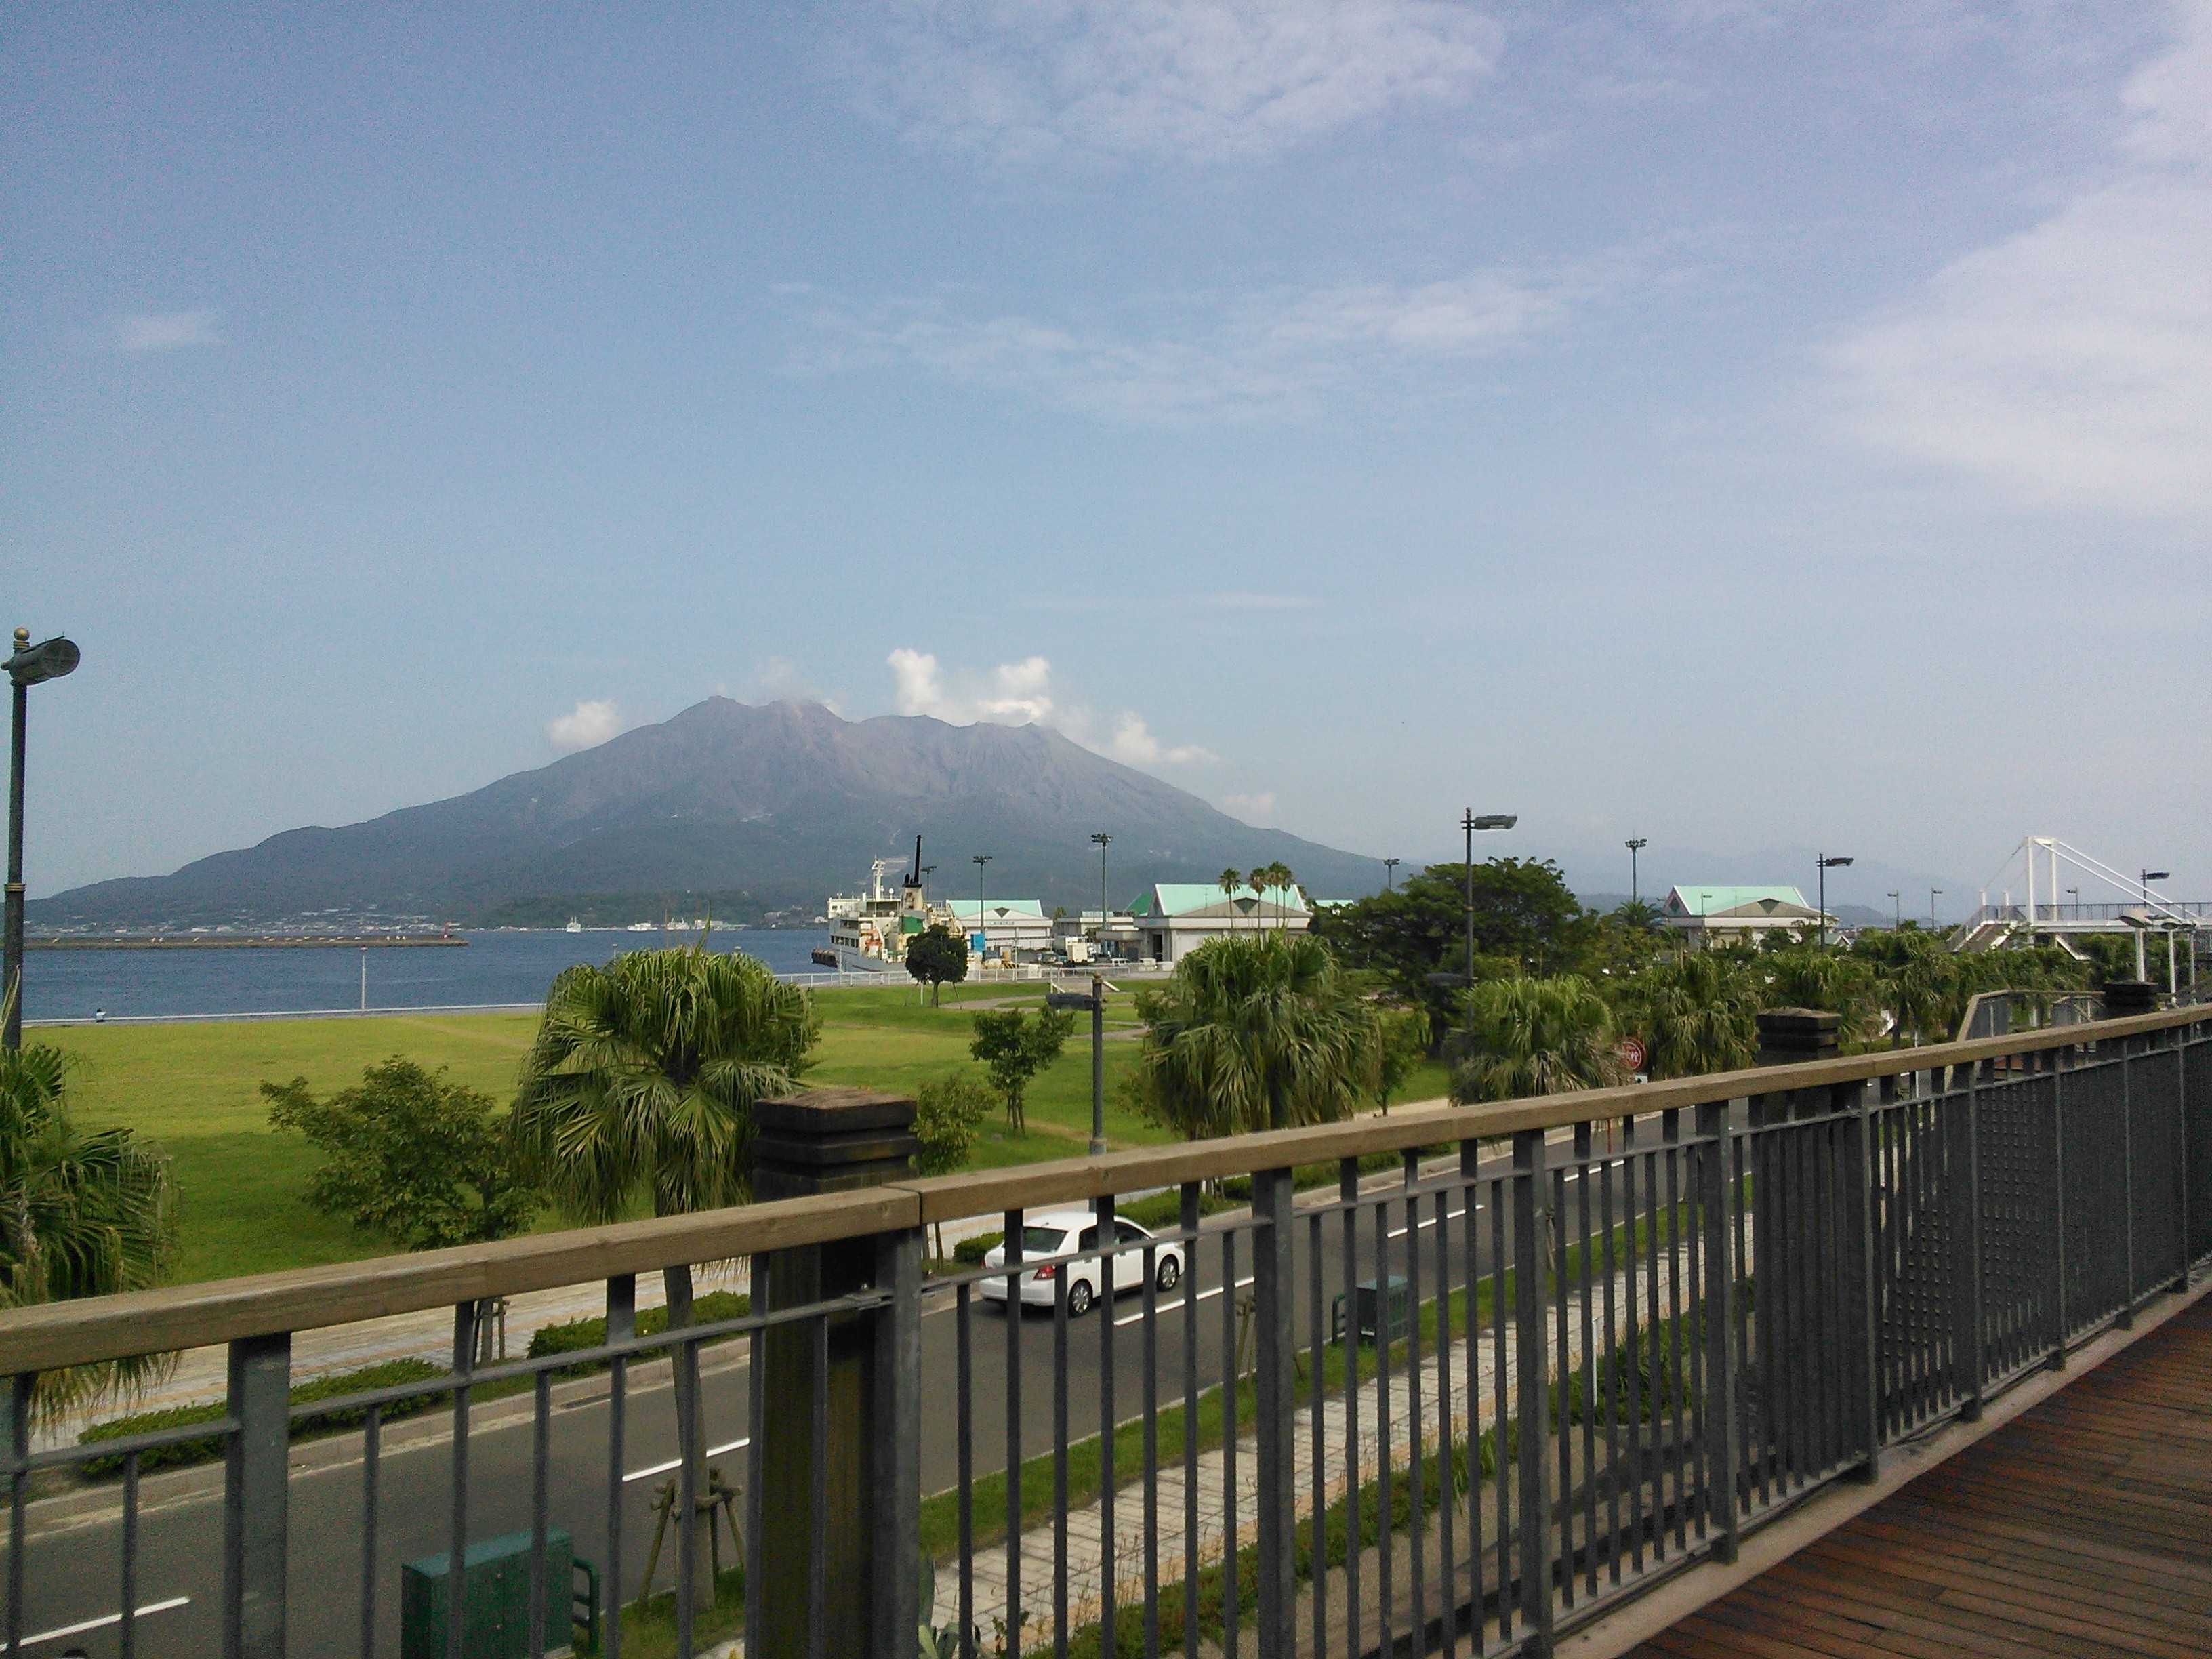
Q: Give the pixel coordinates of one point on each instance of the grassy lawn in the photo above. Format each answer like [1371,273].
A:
[196,1088]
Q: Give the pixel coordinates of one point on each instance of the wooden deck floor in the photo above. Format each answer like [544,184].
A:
[2083,1527]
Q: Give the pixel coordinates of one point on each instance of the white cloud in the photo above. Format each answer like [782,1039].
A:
[1021,693]
[1256,808]
[585,726]
[2071,365]
[164,330]
[1269,355]
[1021,83]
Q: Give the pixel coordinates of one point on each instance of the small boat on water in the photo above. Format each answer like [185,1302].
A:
[573,926]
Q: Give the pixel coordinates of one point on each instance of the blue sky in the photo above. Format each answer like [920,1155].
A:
[1742,425]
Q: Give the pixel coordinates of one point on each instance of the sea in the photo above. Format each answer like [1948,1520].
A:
[503,967]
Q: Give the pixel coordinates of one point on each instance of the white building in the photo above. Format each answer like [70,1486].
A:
[1171,919]
[1716,915]
[1003,924]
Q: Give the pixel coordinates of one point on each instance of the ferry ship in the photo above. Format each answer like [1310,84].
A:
[871,929]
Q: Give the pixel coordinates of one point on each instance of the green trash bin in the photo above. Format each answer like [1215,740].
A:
[1393,1299]
[496,1606]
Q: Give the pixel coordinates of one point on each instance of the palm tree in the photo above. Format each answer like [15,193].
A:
[1537,1036]
[1274,877]
[1696,1014]
[1231,881]
[80,1215]
[1258,1032]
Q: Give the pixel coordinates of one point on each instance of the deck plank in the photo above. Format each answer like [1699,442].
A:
[2082,1527]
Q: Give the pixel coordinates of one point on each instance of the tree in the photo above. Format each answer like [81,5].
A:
[421,1161]
[948,1118]
[1231,881]
[1015,1046]
[1258,1032]
[1809,977]
[1275,878]
[1695,1011]
[937,957]
[1402,1035]
[80,1215]
[1537,1036]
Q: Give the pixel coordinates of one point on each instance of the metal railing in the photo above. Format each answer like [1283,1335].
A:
[1493,1370]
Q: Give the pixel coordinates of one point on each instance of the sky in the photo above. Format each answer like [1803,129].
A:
[1743,426]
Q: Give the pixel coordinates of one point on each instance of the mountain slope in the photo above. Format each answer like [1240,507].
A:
[783,802]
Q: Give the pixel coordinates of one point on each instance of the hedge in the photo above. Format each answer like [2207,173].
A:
[572,1336]
[177,1455]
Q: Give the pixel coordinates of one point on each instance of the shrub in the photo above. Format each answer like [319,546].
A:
[575,1335]
[180,1454]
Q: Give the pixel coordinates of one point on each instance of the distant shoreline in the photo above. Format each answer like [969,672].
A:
[241,941]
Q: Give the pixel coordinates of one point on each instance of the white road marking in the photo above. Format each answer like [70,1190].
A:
[676,1462]
[101,1624]
[1169,1307]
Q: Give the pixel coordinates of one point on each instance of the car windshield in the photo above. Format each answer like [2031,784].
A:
[1042,1241]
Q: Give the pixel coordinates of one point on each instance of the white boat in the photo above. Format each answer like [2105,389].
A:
[573,926]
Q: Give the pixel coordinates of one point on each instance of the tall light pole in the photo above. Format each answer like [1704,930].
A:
[982,927]
[928,870]
[1827,864]
[1389,870]
[1102,841]
[2145,876]
[1934,893]
[1470,821]
[1896,913]
[30,664]
[1634,893]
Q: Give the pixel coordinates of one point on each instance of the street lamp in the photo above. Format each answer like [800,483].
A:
[982,927]
[1101,840]
[1470,821]
[1827,864]
[928,870]
[1934,893]
[1096,1002]
[2145,876]
[1389,869]
[30,666]
[1635,893]
[1896,913]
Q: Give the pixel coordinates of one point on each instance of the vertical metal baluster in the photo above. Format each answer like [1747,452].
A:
[1609,1380]
[371,1449]
[541,1457]
[2127,1318]
[456,1532]
[1317,1336]
[1190,1557]
[1012,1262]
[1417,1544]
[1740,1289]
[1670,1130]
[1152,1328]
[1059,1457]
[1275,1403]
[1561,1385]
[690,1432]
[1470,1163]
[1109,1277]
[817,1554]
[1859,1422]
[1231,1608]
[17,1402]
[1447,1488]
[127,1630]
[1716,1205]
[2059,1213]
[964,1384]
[1635,1222]
[1585,1153]
[622,1326]
[1347,1198]
[1385,1563]
[1501,1375]
[1973,1364]
[755,1452]
[1532,1382]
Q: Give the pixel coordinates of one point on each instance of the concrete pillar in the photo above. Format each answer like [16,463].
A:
[827,1141]
[2129,996]
[1789,1037]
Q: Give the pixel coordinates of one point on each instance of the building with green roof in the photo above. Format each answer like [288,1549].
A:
[1173,918]
[1722,914]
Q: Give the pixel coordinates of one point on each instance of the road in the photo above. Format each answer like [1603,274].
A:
[72,1561]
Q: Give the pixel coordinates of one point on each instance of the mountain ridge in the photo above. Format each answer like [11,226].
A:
[783,802]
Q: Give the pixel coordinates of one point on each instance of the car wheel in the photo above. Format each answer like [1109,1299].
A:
[1169,1273]
[1079,1298]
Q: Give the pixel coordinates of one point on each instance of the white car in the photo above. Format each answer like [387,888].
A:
[1077,1229]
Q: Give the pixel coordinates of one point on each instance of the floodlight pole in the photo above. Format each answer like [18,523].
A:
[1825,864]
[982,926]
[1390,871]
[1934,893]
[2145,876]
[1102,841]
[1470,821]
[28,666]
[1896,913]
[1634,893]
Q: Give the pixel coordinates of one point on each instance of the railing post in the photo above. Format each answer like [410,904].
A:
[1532,1384]
[898,1445]
[1716,1203]
[1964,1183]
[1859,1293]
[256,1473]
[2055,1061]
[836,1141]
[2128,1048]
[1273,1285]
[15,1430]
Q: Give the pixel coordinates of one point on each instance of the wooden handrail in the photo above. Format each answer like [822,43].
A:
[52,1335]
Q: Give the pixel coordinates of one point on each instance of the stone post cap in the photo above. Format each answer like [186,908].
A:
[1800,1022]
[833,1111]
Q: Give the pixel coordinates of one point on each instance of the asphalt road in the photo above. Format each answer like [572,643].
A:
[72,1561]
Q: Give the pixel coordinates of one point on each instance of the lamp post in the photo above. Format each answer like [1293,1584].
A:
[1934,893]
[1896,913]
[1101,840]
[1634,893]
[1470,821]
[1827,864]
[30,664]
[2145,877]
[1389,870]
[928,870]
[1096,1002]
[982,927]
